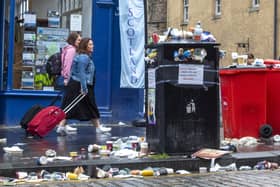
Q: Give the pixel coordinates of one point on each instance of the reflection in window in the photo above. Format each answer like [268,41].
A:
[23,7]
[40,30]
[38,35]
[72,7]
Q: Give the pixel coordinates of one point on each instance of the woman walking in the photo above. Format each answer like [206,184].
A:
[67,55]
[82,80]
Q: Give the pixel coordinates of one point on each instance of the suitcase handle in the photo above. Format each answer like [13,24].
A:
[55,110]
[74,103]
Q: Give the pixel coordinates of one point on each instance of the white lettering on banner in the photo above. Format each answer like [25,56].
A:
[190,74]
[132,37]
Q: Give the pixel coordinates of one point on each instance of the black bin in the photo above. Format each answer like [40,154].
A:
[187,116]
[187,119]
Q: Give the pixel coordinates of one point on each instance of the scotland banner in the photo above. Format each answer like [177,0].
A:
[132,36]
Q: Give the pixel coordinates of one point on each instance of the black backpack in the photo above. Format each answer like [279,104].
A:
[53,65]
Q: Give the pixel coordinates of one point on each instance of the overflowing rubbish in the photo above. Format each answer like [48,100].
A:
[248,141]
[276,138]
[93,148]
[131,147]
[266,165]
[107,171]
[43,160]
[244,141]
[202,169]
[229,147]
[230,167]
[196,33]
[50,153]
[182,172]
[245,168]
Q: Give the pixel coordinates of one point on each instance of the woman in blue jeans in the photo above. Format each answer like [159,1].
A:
[82,80]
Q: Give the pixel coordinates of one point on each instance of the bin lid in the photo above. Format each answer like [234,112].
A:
[232,71]
[271,61]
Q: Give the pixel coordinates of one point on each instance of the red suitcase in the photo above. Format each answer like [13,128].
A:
[45,120]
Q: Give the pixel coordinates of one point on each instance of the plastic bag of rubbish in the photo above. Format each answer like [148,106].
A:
[247,141]
[231,167]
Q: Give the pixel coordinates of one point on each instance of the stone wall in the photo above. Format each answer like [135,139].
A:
[156,16]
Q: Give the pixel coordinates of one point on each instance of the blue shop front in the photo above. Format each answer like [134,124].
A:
[32,30]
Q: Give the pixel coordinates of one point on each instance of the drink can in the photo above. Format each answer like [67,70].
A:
[73,154]
[155,38]
[43,160]
[109,145]
[203,170]
[21,174]
[116,147]
[45,175]
[50,153]
[134,145]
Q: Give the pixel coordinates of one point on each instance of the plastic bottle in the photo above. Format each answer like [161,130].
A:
[71,176]
[197,32]
[83,153]
[144,148]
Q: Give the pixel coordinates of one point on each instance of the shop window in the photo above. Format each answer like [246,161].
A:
[40,30]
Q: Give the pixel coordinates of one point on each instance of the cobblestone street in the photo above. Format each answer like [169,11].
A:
[253,178]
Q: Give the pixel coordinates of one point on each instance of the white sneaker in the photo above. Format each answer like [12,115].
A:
[61,130]
[13,149]
[102,129]
[68,128]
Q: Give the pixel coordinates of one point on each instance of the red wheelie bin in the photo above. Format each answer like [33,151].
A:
[243,101]
[273,97]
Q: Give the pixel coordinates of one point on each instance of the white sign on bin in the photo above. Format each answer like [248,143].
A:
[151,78]
[190,74]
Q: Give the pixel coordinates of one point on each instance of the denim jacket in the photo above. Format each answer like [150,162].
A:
[83,70]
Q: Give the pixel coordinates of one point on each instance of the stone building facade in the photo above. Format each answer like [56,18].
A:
[156,16]
[240,26]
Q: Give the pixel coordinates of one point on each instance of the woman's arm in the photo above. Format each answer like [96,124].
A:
[84,60]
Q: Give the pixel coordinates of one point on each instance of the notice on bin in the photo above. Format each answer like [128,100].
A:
[190,74]
[151,78]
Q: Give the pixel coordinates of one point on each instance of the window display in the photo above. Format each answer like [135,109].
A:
[49,42]
[41,30]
